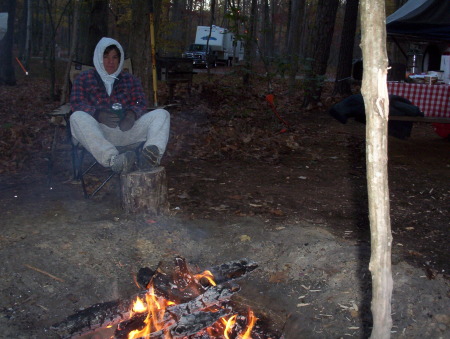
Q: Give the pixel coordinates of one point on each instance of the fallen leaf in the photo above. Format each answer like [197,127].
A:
[244,238]
[276,212]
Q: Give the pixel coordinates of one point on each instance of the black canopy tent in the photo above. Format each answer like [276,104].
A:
[427,20]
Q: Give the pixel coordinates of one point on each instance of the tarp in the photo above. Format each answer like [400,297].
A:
[422,19]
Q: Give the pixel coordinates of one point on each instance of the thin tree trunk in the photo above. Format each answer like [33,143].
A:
[211,22]
[97,28]
[376,101]
[342,86]
[250,43]
[318,50]
[73,44]
[297,12]
[28,34]
[140,50]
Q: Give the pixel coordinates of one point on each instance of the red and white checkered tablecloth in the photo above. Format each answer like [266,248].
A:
[433,100]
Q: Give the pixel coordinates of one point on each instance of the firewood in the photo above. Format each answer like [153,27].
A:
[187,325]
[113,312]
[190,324]
[232,270]
[94,317]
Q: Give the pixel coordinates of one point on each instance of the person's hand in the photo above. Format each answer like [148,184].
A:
[108,118]
[128,121]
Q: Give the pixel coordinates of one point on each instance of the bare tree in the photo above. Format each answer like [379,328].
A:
[55,22]
[7,75]
[318,49]
[140,51]
[24,33]
[342,85]
[293,41]
[177,21]
[376,102]
[250,43]
[76,18]
[95,28]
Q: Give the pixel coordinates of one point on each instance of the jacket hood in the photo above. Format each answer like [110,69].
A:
[98,59]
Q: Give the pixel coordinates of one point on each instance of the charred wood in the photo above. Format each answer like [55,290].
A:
[174,282]
[113,312]
[232,270]
[94,317]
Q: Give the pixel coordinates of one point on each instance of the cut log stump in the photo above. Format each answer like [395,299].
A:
[145,192]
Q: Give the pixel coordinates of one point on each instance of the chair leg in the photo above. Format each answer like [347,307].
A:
[101,185]
[78,154]
[52,156]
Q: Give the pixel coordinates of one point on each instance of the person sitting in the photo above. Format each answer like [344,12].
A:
[100,129]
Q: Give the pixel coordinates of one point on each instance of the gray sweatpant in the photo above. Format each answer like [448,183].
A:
[100,140]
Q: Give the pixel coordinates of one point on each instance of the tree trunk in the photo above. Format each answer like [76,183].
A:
[376,102]
[145,192]
[140,50]
[250,44]
[76,18]
[297,12]
[267,47]
[97,28]
[342,86]
[26,55]
[7,75]
[211,22]
[319,50]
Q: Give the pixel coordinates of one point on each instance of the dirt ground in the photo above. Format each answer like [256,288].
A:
[294,202]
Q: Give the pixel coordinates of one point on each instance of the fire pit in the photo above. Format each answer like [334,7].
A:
[174,303]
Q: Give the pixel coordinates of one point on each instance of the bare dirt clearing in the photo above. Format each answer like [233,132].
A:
[294,202]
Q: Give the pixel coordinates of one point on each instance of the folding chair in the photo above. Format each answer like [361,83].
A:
[81,169]
[78,152]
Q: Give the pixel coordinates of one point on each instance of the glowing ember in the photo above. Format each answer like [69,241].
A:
[229,325]
[174,303]
[157,325]
[206,275]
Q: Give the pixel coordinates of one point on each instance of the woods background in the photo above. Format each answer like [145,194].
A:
[318,39]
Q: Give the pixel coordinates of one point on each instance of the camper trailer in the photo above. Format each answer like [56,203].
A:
[214,45]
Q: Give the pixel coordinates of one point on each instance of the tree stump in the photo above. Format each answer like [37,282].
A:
[145,191]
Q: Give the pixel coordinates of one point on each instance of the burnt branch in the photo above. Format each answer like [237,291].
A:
[195,301]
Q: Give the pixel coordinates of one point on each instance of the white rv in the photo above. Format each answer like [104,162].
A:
[223,48]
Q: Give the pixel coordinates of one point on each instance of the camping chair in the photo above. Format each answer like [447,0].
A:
[79,154]
[81,168]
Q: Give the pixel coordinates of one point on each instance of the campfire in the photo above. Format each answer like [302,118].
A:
[174,303]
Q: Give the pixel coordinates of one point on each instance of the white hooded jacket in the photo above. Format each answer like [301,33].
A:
[108,79]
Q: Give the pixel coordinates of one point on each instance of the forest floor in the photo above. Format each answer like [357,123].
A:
[294,201]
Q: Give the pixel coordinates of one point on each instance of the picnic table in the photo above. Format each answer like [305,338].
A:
[433,100]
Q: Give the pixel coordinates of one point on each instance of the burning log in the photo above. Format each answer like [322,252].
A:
[94,317]
[201,306]
[228,271]
[187,325]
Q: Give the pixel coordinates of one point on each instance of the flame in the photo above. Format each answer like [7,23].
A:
[207,275]
[138,306]
[155,308]
[229,325]
[251,323]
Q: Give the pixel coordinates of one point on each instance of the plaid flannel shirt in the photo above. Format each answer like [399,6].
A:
[89,93]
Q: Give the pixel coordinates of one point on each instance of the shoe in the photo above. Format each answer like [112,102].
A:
[123,162]
[149,157]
